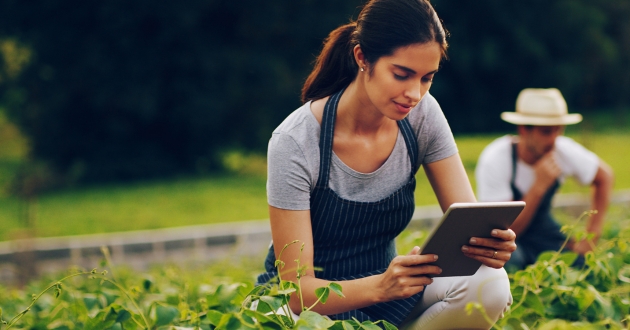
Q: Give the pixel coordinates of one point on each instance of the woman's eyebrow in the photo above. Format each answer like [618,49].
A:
[410,71]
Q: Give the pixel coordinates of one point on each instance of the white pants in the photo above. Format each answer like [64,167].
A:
[443,305]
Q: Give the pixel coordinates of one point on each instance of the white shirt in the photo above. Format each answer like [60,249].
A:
[494,168]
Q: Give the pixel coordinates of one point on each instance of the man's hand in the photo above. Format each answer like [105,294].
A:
[547,171]
[582,247]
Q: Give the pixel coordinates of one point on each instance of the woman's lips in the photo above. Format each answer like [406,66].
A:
[403,108]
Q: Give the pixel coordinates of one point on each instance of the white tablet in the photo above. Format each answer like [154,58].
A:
[461,222]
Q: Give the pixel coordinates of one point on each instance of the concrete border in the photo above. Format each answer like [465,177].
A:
[204,243]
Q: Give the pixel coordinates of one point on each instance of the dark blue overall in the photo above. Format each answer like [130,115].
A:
[356,239]
[542,234]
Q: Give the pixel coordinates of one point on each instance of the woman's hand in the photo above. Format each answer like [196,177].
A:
[407,275]
[493,252]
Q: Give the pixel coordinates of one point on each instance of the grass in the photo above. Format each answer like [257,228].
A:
[149,205]
[214,199]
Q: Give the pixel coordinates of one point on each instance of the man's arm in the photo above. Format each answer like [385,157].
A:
[547,171]
[602,190]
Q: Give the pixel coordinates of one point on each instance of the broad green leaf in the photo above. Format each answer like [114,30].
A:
[568,258]
[165,315]
[274,303]
[268,321]
[147,284]
[624,274]
[336,288]
[100,321]
[388,326]
[314,320]
[532,301]
[116,326]
[234,323]
[322,294]
[214,317]
[286,291]
[546,293]
[369,325]
[225,319]
[123,315]
[342,325]
[348,325]
[90,301]
[263,307]
[545,256]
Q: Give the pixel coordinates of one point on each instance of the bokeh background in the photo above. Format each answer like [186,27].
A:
[123,115]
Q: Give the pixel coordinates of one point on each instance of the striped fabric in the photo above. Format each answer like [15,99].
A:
[355,239]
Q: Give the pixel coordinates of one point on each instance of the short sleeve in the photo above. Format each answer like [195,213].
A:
[288,179]
[435,134]
[576,161]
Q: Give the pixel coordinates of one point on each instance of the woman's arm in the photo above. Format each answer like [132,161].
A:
[450,181]
[401,280]
[451,185]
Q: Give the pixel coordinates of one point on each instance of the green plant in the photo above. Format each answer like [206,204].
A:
[119,302]
[547,295]
[551,294]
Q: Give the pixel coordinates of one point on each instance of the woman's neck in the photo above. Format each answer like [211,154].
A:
[357,114]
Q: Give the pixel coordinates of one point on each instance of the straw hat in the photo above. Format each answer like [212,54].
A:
[541,107]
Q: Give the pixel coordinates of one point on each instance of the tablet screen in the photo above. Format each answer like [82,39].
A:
[461,222]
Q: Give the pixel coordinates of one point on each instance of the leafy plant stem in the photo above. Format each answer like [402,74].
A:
[133,301]
[108,261]
[299,279]
[54,285]
[279,266]
[566,241]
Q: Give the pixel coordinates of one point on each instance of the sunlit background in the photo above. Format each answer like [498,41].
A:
[133,115]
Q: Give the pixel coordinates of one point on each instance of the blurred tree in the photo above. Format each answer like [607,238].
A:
[121,90]
[501,47]
[118,90]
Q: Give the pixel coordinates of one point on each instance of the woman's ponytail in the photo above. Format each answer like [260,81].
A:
[381,27]
[335,67]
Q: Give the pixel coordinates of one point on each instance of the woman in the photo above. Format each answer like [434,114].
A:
[341,178]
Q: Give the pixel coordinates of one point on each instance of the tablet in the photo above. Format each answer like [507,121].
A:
[461,222]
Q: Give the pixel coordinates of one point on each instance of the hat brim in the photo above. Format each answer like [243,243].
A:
[522,119]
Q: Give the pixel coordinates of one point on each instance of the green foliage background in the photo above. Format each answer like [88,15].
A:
[120,90]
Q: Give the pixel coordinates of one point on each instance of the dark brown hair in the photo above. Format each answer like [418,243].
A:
[382,27]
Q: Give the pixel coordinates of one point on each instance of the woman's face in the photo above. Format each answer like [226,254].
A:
[396,83]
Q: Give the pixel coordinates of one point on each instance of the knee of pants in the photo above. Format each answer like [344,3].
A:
[493,290]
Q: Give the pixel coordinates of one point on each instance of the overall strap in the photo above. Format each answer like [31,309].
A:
[412,144]
[326,138]
[516,194]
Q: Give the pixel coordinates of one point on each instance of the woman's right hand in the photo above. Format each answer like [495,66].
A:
[407,275]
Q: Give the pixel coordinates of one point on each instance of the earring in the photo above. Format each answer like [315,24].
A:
[362,69]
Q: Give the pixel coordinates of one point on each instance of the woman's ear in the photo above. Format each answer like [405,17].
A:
[359,57]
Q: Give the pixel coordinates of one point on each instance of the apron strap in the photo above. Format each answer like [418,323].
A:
[412,144]
[328,132]
[516,194]
[326,138]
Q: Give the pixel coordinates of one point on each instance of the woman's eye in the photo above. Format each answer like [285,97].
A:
[427,79]
[399,77]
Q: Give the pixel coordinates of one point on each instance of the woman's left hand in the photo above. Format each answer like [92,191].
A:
[493,252]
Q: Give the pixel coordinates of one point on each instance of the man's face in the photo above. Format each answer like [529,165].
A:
[539,140]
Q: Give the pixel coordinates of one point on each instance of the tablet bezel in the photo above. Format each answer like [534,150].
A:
[461,222]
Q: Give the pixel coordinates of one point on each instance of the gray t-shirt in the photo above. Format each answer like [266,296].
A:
[293,159]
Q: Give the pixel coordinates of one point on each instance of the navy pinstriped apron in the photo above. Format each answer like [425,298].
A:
[543,233]
[356,239]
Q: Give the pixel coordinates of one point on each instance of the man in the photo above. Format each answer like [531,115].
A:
[531,166]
